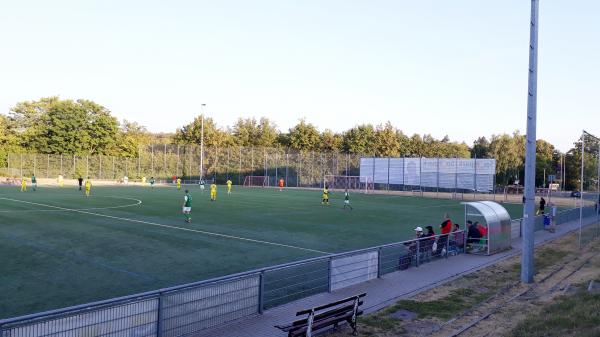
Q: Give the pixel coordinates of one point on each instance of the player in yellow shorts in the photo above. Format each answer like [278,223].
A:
[178,183]
[88,187]
[325,200]
[60,180]
[23,184]
[213,192]
[229,183]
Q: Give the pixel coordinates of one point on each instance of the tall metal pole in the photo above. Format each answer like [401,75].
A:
[202,143]
[581,189]
[527,261]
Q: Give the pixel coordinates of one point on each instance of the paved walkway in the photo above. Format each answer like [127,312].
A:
[380,292]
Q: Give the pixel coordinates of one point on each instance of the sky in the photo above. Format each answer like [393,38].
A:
[439,67]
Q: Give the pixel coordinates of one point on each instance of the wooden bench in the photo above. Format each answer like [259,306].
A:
[346,310]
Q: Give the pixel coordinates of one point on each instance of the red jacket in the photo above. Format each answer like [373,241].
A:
[446,226]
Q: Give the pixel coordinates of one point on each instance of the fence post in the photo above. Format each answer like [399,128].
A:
[447,244]
[159,317]
[329,274]
[418,252]
[48,166]
[379,262]
[261,291]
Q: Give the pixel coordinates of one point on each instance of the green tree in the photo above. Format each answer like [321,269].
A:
[213,135]
[386,141]
[51,125]
[132,137]
[249,132]
[331,141]
[481,148]
[360,139]
[304,136]
[507,151]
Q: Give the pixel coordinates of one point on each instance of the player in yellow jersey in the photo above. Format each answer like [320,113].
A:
[213,192]
[88,187]
[23,184]
[229,183]
[178,183]
[60,180]
[325,200]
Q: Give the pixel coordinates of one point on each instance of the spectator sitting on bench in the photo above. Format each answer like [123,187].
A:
[458,239]
[473,234]
[405,260]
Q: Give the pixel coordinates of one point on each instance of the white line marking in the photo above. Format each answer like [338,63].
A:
[173,227]
[137,202]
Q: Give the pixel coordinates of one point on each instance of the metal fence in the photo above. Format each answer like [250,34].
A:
[187,309]
[298,169]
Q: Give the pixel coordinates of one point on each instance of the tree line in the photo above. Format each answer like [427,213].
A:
[82,127]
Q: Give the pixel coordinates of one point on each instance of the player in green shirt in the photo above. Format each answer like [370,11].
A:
[34,182]
[187,206]
[152,181]
[347,200]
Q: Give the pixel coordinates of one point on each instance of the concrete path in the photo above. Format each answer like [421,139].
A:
[380,292]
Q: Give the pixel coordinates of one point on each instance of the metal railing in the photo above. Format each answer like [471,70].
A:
[190,308]
[187,309]
[589,212]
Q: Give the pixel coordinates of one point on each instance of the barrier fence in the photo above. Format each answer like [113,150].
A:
[298,169]
[190,308]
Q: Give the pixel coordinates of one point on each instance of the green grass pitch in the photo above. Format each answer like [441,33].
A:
[59,248]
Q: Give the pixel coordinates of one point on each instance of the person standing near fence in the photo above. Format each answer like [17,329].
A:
[34,182]
[229,183]
[80,181]
[88,187]
[178,183]
[542,206]
[281,184]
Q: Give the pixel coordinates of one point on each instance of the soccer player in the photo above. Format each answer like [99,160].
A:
[229,183]
[34,182]
[202,185]
[325,200]
[60,180]
[281,184]
[347,200]
[152,181]
[80,181]
[187,206]
[23,184]
[178,183]
[213,192]
[88,187]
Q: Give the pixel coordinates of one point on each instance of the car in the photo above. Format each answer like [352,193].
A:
[575,194]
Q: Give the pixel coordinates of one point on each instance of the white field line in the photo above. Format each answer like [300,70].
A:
[137,202]
[169,226]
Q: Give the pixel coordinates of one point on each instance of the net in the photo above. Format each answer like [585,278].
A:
[357,183]
[256,181]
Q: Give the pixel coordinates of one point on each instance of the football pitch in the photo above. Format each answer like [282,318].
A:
[59,248]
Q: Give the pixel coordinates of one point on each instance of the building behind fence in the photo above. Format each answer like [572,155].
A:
[191,308]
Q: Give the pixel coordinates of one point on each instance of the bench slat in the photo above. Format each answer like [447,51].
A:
[307,311]
[321,324]
[349,307]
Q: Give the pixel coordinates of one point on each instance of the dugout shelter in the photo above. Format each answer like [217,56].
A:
[495,219]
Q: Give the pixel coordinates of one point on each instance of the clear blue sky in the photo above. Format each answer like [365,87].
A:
[429,66]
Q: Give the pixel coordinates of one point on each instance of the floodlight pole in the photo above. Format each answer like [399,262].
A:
[581,186]
[527,262]
[202,142]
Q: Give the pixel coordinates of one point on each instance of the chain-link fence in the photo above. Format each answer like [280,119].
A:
[298,169]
